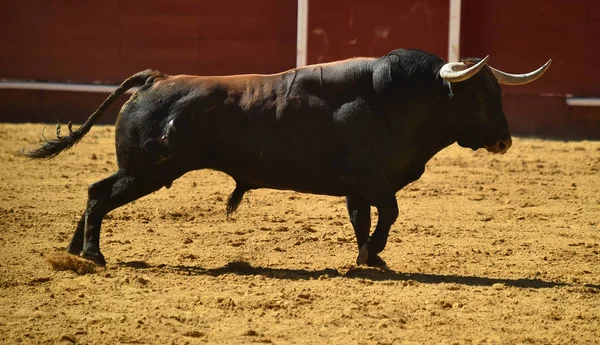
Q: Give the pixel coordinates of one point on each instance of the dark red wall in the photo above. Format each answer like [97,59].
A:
[342,29]
[108,40]
[520,36]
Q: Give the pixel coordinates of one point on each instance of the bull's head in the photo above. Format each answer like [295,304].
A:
[477,100]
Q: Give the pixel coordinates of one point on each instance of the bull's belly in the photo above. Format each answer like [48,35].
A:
[314,181]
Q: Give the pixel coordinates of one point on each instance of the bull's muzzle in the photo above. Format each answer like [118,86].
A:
[501,146]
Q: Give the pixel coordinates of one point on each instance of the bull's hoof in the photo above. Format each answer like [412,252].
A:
[96,258]
[377,261]
[369,260]
[363,255]
[93,254]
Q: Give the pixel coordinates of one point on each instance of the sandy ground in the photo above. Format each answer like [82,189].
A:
[487,250]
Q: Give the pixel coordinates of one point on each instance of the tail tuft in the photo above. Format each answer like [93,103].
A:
[51,148]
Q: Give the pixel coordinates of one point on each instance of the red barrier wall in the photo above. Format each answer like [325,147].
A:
[342,29]
[108,40]
[520,36]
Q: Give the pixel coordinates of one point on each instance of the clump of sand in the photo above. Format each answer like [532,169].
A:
[62,261]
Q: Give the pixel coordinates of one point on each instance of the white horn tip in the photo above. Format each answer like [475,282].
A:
[545,66]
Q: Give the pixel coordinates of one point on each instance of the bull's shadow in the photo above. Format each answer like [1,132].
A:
[243,268]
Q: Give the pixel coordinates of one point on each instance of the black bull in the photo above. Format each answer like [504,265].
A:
[361,128]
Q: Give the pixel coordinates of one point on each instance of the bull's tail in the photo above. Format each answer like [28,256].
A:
[235,198]
[52,148]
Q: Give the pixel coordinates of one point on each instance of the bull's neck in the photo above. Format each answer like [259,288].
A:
[422,132]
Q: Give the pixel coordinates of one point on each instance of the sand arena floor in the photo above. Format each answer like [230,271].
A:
[487,250]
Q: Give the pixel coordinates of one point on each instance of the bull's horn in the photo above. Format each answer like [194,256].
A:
[519,79]
[460,71]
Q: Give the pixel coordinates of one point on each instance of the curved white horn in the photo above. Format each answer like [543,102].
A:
[455,72]
[519,79]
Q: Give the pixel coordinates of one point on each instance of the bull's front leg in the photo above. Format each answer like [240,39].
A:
[360,217]
[368,254]
[371,187]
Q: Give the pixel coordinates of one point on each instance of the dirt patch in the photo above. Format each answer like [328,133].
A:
[62,261]
[487,250]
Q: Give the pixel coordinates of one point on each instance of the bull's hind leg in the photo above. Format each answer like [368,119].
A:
[105,196]
[76,244]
